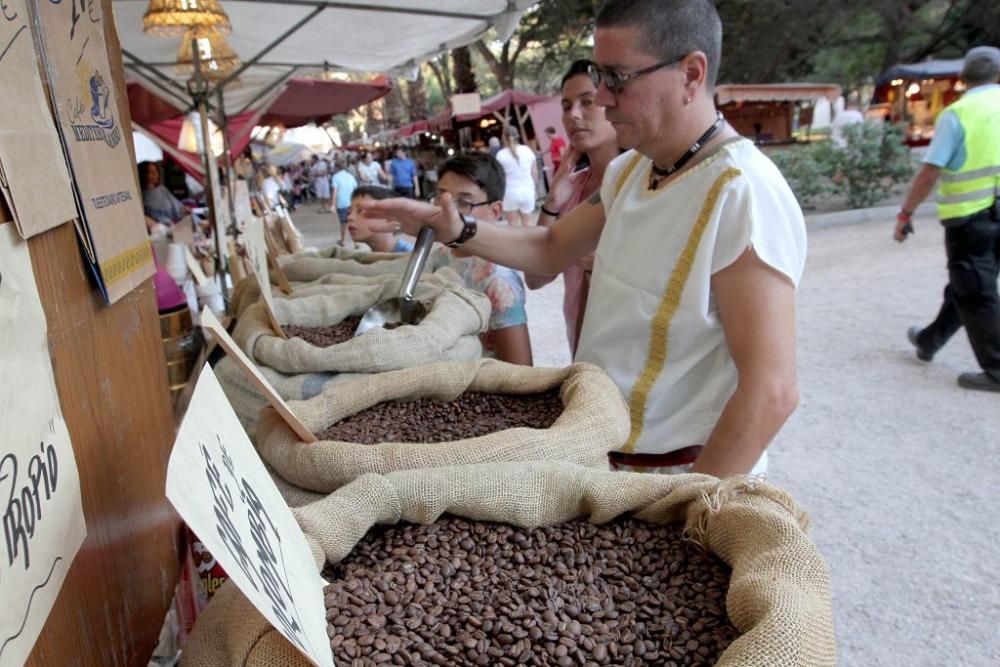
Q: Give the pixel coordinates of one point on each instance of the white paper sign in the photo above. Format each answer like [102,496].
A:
[41,516]
[219,486]
[256,246]
[466,103]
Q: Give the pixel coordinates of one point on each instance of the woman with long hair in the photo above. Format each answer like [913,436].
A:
[518,162]
[593,144]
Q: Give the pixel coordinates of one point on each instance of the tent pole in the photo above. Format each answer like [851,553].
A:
[230,171]
[199,91]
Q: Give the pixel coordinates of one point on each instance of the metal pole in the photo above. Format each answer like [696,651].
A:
[199,91]
[230,171]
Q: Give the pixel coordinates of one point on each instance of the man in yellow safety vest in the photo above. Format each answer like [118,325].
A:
[965,156]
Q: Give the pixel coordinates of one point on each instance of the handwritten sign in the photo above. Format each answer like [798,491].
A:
[41,516]
[82,91]
[221,489]
[256,246]
[35,181]
[222,337]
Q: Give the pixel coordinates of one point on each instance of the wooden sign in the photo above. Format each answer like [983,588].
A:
[221,489]
[211,322]
[272,261]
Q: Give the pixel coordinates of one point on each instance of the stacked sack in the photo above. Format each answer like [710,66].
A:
[299,370]
[502,595]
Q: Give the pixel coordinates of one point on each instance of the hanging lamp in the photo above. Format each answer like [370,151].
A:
[218,59]
[172,18]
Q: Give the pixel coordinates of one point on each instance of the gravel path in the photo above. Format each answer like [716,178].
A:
[897,465]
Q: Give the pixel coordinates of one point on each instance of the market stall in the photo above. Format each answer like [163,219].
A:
[767,112]
[915,94]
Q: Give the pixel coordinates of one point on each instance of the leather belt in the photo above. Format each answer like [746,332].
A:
[678,457]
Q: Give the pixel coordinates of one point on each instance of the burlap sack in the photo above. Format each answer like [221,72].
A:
[779,594]
[594,421]
[247,291]
[449,332]
[362,254]
[247,401]
[304,268]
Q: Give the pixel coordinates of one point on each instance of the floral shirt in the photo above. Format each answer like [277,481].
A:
[503,286]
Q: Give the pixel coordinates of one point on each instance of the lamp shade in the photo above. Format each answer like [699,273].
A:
[218,59]
[173,18]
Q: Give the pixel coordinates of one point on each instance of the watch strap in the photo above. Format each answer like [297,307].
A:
[469,228]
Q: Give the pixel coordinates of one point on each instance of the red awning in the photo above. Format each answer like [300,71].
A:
[501,101]
[307,101]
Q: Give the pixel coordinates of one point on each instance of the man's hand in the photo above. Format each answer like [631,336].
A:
[412,215]
[904,226]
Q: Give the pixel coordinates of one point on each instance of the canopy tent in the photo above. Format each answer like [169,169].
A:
[916,94]
[299,101]
[496,108]
[766,112]
[775,92]
[929,69]
[277,40]
[287,153]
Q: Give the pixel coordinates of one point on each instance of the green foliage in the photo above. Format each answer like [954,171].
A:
[865,170]
[807,170]
[873,161]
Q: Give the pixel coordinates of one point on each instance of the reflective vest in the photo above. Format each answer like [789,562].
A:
[974,186]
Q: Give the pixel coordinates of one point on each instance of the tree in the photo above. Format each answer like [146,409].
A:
[416,96]
[441,67]
[551,34]
[462,70]
[393,105]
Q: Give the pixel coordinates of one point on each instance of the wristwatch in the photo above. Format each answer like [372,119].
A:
[469,228]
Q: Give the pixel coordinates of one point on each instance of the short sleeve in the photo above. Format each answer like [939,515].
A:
[609,186]
[761,213]
[947,140]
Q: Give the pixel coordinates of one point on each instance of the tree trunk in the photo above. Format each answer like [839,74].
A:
[442,72]
[375,119]
[502,67]
[464,74]
[394,105]
[416,97]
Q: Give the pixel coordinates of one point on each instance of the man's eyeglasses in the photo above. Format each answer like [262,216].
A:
[615,81]
[464,206]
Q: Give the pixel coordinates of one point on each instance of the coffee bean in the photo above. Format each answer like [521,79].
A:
[471,415]
[327,336]
[455,593]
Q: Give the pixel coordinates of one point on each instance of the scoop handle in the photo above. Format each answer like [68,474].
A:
[418,258]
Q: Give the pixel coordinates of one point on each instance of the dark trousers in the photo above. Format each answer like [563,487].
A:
[970,298]
[403,192]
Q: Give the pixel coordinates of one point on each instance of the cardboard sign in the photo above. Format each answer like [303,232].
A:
[82,92]
[256,246]
[41,515]
[33,174]
[221,489]
[222,337]
[241,202]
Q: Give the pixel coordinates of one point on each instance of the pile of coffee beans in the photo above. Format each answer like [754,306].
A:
[330,335]
[427,421]
[460,593]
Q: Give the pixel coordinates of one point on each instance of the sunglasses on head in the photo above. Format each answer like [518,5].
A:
[615,81]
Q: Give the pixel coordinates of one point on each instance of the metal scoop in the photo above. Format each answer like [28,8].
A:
[403,309]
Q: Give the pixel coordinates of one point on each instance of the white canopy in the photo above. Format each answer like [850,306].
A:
[276,40]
